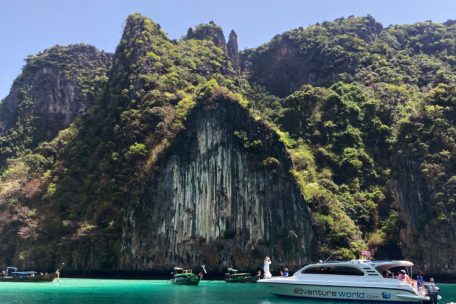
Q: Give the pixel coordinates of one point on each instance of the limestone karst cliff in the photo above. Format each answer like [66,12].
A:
[405,142]
[55,87]
[223,195]
[147,111]
[333,139]
[425,182]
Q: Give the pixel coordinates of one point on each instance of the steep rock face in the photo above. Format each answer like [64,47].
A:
[233,51]
[222,195]
[278,68]
[55,87]
[425,182]
[423,239]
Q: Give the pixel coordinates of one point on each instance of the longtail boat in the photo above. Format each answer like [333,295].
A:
[11,274]
[233,276]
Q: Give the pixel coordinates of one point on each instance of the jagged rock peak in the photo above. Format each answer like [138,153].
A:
[75,53]
[233,50]
[138,33]
[141,40]
[210,31]
[136,23]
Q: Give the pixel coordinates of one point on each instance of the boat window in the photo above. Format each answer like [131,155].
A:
[336,270]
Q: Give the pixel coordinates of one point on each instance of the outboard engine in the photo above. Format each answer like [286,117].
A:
[432,292]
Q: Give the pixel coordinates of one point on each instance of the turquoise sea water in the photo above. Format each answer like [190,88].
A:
[89,291]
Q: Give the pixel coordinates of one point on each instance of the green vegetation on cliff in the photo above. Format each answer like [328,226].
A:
[355,49]
[97,166]
[429,137]
[360,96]
[349,99]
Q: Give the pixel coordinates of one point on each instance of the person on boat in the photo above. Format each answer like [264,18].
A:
[419,279]
[267,272]
[259,274]
[387,274]
[432,290]
[402,275]
[284,272]
[57,275]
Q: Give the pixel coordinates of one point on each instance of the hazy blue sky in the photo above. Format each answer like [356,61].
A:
[30,26]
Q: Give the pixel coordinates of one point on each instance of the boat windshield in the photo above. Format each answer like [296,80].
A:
[334,270]
[401,270]
[393,268]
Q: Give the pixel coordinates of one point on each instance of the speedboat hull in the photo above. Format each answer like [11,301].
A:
[353,293]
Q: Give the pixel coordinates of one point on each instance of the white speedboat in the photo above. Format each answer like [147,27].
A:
[360,280]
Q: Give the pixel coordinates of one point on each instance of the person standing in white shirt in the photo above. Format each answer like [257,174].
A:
[267,272]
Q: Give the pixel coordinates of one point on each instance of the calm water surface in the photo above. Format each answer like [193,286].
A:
[78,291]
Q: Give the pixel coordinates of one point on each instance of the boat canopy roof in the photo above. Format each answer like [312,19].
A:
[386,265]
[182,270]
[380,265]
[24,272]
[374,263]
[390,264]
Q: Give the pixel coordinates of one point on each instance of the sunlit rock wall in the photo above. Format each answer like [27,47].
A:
[222,195]
[427,241]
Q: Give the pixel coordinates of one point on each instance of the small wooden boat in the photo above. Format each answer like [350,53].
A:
[233,276]
[185,277]
[11,274]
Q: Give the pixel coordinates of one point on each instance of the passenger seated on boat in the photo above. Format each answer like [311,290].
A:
[404,277]
[284,272]
[387,274]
